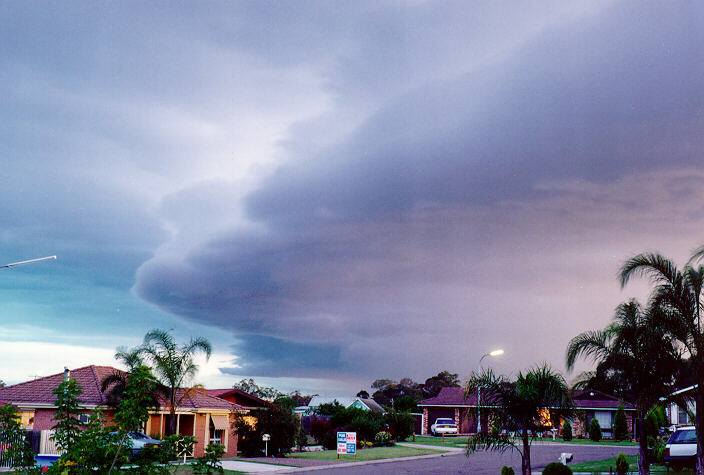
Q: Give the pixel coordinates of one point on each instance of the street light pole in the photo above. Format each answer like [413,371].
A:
[498,352]
[30,261]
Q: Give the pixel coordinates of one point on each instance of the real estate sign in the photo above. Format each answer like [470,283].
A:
[347,443]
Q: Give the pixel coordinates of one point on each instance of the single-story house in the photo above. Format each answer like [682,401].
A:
[366,404]
[239,397]
[198,414]
[591,403]
[679,415]
[451,402]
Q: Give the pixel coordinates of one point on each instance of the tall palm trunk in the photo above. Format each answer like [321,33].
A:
[525,458]
[699,425]
[172,412]
[643,463]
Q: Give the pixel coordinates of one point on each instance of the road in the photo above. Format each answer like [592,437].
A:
[481,463]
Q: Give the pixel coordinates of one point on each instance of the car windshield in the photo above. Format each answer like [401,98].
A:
[444,421]
[684,437]
[138,435]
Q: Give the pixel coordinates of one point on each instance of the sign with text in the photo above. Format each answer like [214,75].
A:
[347,443]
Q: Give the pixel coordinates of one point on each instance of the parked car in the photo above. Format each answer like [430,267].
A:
[444,426]
[140,440]
[681,448]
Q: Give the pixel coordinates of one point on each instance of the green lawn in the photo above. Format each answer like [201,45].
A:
[375,453]
[591,442]
[459,441]
[604,465]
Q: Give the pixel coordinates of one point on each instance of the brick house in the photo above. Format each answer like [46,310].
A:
[451,402]
[591,403]
[209,418]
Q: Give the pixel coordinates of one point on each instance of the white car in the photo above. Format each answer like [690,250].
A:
[681,448]
[444,426]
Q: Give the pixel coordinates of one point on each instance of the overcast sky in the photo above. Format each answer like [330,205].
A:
[335,192]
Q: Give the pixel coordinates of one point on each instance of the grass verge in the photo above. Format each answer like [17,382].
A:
[375,453]
[459,441]
[610,463]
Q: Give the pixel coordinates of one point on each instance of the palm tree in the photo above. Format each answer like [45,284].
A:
[114,384]
[172,363]
[677,294]
[639,353]
[521,405]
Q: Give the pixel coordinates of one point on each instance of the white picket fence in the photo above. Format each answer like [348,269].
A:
[46,445]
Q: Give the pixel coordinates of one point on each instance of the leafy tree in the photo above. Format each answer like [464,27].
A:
[622,466]
[519,404]
[173,363]
[382,384]
[405,404]
[251,387]
[2,383]
[594,430]
[443,379]
[567,431]
[68,427]
[98,446]
[280,423]
[400,424]
[16,450]
[636,348]
[677,293]
[388,391]
[620,424]
[137,398]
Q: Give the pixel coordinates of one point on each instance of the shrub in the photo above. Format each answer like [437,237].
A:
[557,468]
[594,430]
[301,439]
[566,431]
[321,431]
[210,462]
[400,424]
[506,470]
[621,464]
[383,438]
[620,424]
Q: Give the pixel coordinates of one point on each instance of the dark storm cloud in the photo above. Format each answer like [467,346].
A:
[266,356]
[463,210]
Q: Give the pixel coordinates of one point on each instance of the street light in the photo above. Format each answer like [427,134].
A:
[30,261]
[498,352]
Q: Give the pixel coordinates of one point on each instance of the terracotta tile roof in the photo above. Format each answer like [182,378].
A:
[89,378]
[256,402]
[200,399]
[452,396]
[39,390]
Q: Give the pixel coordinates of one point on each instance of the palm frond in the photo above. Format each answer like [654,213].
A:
[591,344]
[655,266]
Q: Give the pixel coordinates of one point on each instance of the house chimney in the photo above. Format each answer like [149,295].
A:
[67,373]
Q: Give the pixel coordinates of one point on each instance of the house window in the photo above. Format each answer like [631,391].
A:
[215,434]
[604,419]
[83,418]
[682,416]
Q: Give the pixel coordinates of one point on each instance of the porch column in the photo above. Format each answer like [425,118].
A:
[424,428]
[178,423]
